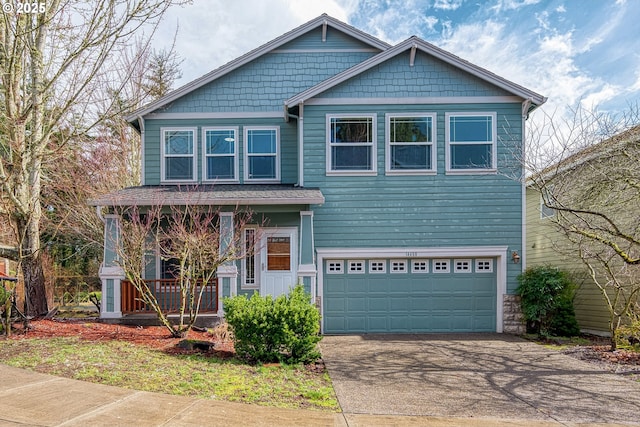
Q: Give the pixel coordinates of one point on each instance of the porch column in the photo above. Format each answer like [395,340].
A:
[111,274]
[306,262]
[228,272]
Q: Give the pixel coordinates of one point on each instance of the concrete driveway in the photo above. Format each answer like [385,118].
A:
[474,375]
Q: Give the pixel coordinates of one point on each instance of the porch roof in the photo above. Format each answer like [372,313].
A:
[220,195]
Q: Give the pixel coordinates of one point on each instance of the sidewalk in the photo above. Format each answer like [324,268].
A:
[32,399]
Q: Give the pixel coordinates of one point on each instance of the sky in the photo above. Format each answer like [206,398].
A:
[571,51]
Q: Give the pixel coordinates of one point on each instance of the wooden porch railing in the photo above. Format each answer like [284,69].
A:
[167,292]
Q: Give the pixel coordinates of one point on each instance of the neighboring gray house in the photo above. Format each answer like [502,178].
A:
[384,172]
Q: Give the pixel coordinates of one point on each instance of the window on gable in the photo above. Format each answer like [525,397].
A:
[220,154]
[410,143]
[351,144]
[262,154]
[178,154]
[471,142]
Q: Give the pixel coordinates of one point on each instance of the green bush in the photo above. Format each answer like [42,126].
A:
[628,336]
[546,297]
[267,330]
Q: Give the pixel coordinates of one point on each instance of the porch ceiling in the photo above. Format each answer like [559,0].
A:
[221,195]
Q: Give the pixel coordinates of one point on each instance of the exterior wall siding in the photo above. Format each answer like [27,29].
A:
[428,77]
[265,83]
[417,211]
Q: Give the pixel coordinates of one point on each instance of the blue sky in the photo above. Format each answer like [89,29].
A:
[570,51]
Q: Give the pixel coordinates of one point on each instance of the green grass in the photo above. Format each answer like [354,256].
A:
[126,365]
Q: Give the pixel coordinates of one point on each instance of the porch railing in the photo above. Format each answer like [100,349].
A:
[167,292]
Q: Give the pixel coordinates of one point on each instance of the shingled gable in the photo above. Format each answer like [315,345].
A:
[320,21]
[412,44]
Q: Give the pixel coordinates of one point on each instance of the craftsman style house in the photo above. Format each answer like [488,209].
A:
[388,175]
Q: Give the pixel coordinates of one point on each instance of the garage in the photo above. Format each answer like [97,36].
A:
[412,295]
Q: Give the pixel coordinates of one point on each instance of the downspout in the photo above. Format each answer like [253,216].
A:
[301,145]
[300,120]
[141,154]
[526,104]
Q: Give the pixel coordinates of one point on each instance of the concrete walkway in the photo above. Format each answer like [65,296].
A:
[450,392]
[477,376]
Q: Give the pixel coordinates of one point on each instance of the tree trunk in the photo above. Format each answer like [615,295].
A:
[35,297]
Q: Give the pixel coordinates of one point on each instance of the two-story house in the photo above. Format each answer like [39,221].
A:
[389,176]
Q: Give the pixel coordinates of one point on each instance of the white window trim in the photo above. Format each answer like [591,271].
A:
[494,145]
[373,145]
[404,271]
[336,262]
[163,156]
[447,270]
[384,266]
[236,162]
[433,144]
[479,260]
[416,271]
[246,130]
[256,260]
[356,272]
[455,266]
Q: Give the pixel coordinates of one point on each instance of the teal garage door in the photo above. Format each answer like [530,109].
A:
[412,295]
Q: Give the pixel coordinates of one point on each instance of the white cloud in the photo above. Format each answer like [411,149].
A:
[505,5]
[213,32]
[447,4]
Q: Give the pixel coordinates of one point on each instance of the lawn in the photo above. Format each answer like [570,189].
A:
[147,359]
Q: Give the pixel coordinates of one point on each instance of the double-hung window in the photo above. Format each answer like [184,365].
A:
[262,154]
[471,142]
[220,154]
[410,144]
[351,144]
[178,147]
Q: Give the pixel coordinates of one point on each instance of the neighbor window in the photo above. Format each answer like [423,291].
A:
[178,154]
[471,142]
[262,162]
[410,143]
[220,154]
[351,144]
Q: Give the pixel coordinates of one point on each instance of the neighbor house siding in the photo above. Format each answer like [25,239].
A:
[288,145]
[417,211]
[547,246]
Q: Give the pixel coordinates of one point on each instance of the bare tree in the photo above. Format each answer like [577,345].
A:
[587,170]
[49,63]
[188,235]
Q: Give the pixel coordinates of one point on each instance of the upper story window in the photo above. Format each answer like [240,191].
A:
[410,144]
[262,154]
[178,154]
[351,144]
[471,142]
[220,161]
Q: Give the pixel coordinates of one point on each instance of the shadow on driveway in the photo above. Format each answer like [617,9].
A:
[473,375]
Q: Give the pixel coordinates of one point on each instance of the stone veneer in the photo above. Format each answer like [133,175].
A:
[513,321]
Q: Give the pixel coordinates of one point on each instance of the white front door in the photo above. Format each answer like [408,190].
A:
[278,261]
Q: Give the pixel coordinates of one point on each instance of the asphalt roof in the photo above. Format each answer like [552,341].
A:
[221,195]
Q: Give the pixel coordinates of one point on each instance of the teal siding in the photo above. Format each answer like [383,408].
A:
[288,145]
[428,77]
[335,40]
[109,295]
[418,211]
[265,83]
[110,241]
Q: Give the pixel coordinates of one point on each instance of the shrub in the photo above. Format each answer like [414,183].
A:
[95,297]
[267,330]
[628,336]
[546,295]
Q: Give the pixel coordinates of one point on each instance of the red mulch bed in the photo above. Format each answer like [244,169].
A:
[157,337]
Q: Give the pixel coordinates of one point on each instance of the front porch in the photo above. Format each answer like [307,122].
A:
[168,294]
